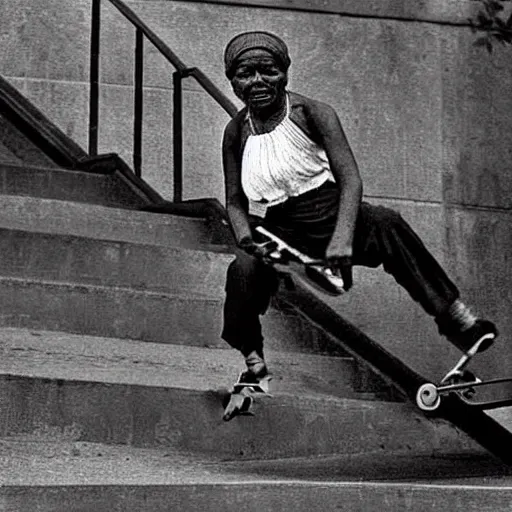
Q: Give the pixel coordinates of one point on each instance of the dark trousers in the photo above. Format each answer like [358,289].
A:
[381,237]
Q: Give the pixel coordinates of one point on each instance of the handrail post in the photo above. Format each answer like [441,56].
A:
[138,102]
[94,78]
[177,136]
[144,32]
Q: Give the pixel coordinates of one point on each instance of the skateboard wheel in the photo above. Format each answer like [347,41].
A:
[427,397]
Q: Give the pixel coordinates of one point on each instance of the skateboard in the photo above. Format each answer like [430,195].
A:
[241,398]
[286,258]
[402,379]
[470,389]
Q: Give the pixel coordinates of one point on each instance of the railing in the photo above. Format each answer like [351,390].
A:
[142,31]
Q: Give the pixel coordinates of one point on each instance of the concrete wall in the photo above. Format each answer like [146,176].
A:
[428,115]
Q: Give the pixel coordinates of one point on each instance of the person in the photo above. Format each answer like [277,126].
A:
[288,166]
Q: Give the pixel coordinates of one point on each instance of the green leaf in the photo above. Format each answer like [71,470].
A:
[496,6]
[483,20]
[500,23]
[500,38]
[482,41]
[503,37]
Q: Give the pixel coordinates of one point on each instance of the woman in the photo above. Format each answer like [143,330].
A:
[288,165]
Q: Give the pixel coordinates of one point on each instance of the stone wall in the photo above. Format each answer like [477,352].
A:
[429,117]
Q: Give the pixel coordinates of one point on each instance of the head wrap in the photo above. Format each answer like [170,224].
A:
[255,40]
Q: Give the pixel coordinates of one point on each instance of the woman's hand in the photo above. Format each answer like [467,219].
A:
[339,260]
[261,251]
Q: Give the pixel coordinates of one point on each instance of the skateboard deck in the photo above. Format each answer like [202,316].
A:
[240,399]
[287,259]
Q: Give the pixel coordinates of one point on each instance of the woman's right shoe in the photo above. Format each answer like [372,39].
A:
[477,338]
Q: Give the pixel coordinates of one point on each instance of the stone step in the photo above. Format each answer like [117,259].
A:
[7,156]
[34,255]
[67,185]
[77,357]
[177,271]
[103,223]
[145,315]
[110,311]
[58,476]
[171,397]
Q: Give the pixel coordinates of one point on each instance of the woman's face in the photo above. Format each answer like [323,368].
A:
[259,81]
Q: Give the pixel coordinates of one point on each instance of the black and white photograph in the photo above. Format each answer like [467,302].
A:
[255,255]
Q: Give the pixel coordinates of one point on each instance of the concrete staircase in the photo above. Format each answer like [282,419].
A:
[112,376]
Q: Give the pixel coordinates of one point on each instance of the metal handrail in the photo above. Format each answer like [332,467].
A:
[157,42]
[182,71]
[213,91]
[171,57]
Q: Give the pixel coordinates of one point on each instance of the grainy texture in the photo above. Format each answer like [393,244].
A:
[81,477]
[100,391]
[428,116]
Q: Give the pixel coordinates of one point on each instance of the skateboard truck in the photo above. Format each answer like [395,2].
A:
[242,396]
[462,382]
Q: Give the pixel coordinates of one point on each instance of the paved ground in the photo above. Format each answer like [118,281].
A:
[37,460]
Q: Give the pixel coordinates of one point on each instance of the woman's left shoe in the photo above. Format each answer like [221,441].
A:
[256,367]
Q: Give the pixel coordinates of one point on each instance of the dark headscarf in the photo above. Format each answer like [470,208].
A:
[255,40]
